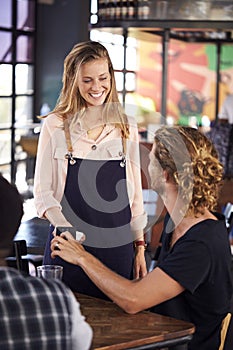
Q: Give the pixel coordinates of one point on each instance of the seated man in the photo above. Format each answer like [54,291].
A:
[34,313]
[192,279]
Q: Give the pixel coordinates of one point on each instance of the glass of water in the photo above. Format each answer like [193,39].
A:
[50,271]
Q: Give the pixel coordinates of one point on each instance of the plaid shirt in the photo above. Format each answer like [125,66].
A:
[34,313]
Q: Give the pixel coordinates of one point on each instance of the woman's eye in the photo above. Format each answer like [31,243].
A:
[86,81]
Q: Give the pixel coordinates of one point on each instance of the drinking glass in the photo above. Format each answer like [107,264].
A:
[50,271]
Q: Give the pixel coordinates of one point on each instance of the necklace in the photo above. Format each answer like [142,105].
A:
[95,132]
[96,128]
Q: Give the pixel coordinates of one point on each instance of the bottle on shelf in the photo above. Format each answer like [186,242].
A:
[121,9]
[108,9]
[160,9]
[102,9]
[132,9]
[112,9]
[143,9]
[124,9]
[118,9]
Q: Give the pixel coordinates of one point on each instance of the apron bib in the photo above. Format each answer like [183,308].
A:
[95,201]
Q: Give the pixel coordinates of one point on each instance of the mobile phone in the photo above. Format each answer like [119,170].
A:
[76,234]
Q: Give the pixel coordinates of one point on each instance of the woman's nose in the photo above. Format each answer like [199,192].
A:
[96,84]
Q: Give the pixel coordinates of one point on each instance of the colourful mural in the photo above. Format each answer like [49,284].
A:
[191,87]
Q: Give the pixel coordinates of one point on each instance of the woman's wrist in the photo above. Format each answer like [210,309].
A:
[140,244]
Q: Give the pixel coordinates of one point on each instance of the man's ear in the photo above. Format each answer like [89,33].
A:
[166,176]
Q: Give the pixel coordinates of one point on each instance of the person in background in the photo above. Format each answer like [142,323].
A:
[192,278]
[226,115]
[35,313]
[226,111]
[88,176]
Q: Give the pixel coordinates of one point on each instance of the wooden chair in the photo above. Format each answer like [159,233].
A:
[20,259]
[227,330]
[16,258]
[227,333]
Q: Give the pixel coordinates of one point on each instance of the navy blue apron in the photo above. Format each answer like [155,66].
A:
[96,202]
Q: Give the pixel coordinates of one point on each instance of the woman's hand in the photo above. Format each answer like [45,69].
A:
[140,269]
[67,248]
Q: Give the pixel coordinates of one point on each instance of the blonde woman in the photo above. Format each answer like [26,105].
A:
[87,176]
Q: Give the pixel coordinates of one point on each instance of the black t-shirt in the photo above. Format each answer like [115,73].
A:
[200,261]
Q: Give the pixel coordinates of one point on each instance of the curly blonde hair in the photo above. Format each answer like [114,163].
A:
[70,101]
[192,162]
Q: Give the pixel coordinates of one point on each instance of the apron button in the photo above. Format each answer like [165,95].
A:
[93,147]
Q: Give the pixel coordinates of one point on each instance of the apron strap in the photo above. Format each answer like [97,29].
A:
[67,135]
[124,145]
[69,142]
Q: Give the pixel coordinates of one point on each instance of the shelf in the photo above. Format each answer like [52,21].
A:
[156,24]
[188,30]
[184,30]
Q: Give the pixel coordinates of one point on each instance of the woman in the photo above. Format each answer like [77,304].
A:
[192,279]
[87,174]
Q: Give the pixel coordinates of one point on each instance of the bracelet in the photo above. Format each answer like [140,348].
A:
[140,243]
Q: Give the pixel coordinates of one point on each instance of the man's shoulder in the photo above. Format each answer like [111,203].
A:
[37,307]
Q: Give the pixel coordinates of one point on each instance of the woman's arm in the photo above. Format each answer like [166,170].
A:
[139,217]
[55,217]
[134,182]
[48,180]
[140,268]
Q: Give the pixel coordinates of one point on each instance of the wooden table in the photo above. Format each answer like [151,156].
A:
[116,330]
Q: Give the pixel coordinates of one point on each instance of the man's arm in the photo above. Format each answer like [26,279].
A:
[132,296]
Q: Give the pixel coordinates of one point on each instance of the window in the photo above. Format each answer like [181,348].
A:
[17,59]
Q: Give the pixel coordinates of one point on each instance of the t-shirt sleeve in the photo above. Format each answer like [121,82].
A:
[189,264]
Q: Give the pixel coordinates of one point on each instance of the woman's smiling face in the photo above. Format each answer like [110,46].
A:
[94,81]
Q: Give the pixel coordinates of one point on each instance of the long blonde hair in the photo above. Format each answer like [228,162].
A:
[71,103]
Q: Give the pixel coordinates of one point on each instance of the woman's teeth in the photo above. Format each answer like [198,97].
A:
[96,95]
